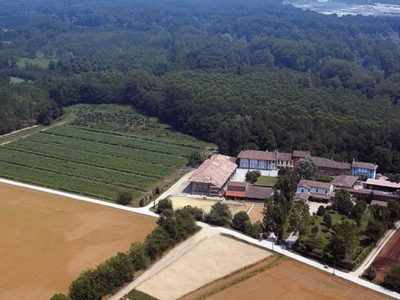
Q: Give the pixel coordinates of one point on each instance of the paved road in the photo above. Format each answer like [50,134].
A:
[264,243]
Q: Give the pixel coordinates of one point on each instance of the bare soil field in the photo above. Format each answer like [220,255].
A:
[289,279]
[257,213]
[179,202]
[47,240]
[201,259]
[389,255]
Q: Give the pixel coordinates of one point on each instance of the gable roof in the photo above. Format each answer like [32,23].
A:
[258,192]
[301,154]
[322,162]
[345,181]
[215,170]
[383,183]
[284,156]
[301,196]
[315,184]
[363,165]
[255,154]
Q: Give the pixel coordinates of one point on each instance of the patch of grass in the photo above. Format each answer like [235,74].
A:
[42,62]
[138,295]
[267,179]
[16,80]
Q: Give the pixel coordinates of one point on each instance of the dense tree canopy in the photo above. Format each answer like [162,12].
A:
[244,75]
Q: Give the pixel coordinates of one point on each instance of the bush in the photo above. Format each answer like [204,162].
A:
[371,273]
[240,222]
[197,213]
[163,204]
[124,198]
[321,210]
[328,220]
[255,229]
[219,215]
[392,278]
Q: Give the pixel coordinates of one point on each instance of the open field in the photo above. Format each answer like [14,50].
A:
[41,62]
[205,204]
[92,162]
[47,240]
[290,279]
[201,259]
[389,255]
[257,213]
[267,179]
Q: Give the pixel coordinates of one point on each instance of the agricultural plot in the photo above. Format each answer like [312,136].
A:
[289,279]
[47,240]
[94,163]
[389,255]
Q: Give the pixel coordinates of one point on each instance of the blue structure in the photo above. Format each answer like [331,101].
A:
[363,170]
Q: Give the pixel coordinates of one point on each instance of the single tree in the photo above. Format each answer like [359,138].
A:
[328,220]
[375,230]
[124,198]
[219,214]
[163,204]
[195,159]
[342,202]
[321,210]
[306,168]
[344,241]
[240,222]
[371,273]
[252,176]
[358,210]
[392,278]
[196,212]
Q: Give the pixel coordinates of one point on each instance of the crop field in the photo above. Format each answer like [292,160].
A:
[47,240]
[92,162]
[389,255]
[284,279]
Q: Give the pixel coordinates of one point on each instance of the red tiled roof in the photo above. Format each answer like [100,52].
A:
[363,165]
[215,170]
[301,154]
[234,194]
[322,162]
[284,156]
[315,184]
[255,154]
[345,181]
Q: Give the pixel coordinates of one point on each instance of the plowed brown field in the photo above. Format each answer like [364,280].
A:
[293,280]
[389,255]
[47,240]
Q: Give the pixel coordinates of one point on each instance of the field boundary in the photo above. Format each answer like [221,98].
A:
[264,243]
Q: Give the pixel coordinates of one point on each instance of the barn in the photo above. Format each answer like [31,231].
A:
[211,177]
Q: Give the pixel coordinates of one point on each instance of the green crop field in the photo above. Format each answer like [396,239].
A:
[94,162]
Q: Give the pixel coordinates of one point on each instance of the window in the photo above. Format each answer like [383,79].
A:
[317,190]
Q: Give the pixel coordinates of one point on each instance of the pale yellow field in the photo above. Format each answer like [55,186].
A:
[47,240]
[257,213]
[180,202]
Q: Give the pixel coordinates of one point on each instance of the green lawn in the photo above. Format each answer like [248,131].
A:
[267,179]
[42,62]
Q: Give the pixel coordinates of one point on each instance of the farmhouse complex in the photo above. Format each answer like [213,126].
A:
[216,177]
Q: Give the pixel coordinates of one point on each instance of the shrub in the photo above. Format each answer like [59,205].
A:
[371,273]
[219,214]
[124,198]
[196,212]
[165,203]
[392,278]
[321,210]
[328,220]
[240,222]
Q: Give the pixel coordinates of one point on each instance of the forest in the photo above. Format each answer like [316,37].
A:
[243,75]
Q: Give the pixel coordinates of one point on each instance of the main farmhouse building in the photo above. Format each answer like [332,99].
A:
[216,176]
